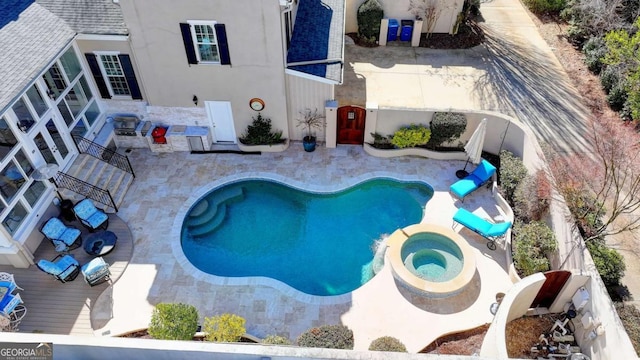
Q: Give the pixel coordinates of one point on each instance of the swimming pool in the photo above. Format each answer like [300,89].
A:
[318,243]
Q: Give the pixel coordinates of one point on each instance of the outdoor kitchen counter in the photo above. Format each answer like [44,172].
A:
[177,136]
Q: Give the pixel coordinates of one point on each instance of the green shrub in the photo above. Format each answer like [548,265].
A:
[533,243]
[381,141]
[609,77]
[327,336]
[224,328]
[370,14]
[630,316]
[609,263]
[276,340]
[617,97]
[512,172]
[260,133]
[446,127]
[173,321]
[387,343]
[533,197]
[584,208]
[411,136]
[545,6]
[594,50]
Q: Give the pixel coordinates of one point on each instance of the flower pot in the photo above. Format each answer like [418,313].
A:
[309,143]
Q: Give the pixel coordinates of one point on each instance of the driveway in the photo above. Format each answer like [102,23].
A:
[513,72]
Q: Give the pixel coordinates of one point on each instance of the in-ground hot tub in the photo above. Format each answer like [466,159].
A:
[431,260]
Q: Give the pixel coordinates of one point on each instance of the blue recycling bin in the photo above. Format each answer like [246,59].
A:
[392,34]
[406,31]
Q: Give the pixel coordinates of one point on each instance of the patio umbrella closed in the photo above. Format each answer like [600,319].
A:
[474,146]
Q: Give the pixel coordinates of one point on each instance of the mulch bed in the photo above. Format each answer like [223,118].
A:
[463,343]
[523,333]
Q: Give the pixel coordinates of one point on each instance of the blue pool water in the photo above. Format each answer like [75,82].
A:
[320,244]
[432,257]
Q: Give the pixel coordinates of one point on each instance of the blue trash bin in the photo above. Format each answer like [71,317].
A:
[392,34]
[405,34]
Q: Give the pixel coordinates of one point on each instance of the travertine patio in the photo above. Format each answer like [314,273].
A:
[167,183]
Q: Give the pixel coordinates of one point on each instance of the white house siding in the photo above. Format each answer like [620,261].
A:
[305,93]
[253,30]
[399,10]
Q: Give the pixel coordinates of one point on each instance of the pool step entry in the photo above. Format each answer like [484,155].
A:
[202,214]
[205,229]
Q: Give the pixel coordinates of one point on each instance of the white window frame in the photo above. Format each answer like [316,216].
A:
[194,39]
[99,55]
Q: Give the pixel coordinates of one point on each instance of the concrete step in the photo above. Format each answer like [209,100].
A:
[202,231]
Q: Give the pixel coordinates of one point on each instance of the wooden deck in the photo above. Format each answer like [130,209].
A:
[64,308]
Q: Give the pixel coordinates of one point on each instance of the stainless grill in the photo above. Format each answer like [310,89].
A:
[125,125]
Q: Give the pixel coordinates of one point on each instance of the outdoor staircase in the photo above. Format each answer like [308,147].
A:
[100,174]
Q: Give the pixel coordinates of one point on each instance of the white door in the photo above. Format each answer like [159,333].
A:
[221,121]
[53,145]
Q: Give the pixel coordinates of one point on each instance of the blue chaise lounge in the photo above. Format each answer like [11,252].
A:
[484,228]
[482,173]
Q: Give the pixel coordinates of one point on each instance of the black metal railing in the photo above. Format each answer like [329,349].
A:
[86,146]
[66,181]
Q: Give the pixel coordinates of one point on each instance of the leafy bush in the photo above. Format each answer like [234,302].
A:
[381,141]
[630,316]
[224,328]
[370,14]
[327,336]
[445,127]
[533,243]
[173,321]
[533,197]
[387,343]
[609,263]
[584,208]
[609,77]
[545,6]
[260,133]
[410,136]
[276,340]
[594,50]
[617,97]
[512,172]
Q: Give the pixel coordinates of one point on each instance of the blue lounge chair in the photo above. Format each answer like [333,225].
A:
[62,237]
[484,228]
[64,268]
[90,216]
[482,173]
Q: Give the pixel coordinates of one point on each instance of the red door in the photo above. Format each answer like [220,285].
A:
[551,287]
[351,120]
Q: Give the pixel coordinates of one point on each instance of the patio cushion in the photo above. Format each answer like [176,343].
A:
[89,214]
[55,229]
[481,174]
[479,225]
[95,267]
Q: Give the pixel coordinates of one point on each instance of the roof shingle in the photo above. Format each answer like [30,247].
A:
[102,17]
[30,38]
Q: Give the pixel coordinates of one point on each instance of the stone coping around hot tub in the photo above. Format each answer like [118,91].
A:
[285,289]
[430,288]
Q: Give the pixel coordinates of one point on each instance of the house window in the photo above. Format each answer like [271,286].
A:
[205,42]
[114,75]
[112,71]
[55,81]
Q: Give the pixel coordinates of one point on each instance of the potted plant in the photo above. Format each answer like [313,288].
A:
[310,120]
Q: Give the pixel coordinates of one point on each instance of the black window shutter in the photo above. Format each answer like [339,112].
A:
[130,75]
[188,43]
[97,76]
[223,46]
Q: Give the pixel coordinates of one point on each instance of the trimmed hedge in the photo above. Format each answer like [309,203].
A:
[224,328]
[512,172]
[327,336]
[276,340]
[370,14]
[446,127]
[532,245]
[387,343]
